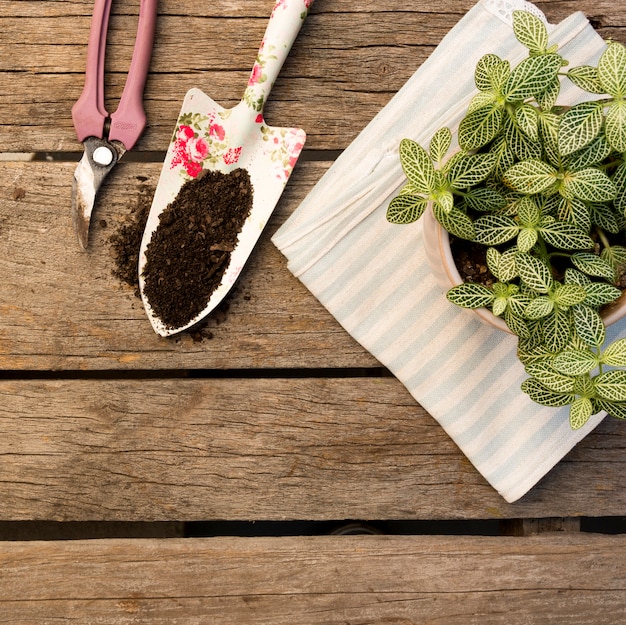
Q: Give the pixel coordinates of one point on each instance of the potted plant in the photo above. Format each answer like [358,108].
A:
[539,189]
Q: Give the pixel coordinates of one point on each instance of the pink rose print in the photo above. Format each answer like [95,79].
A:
[255,76]
[189,151]
[231,156]
[215,130]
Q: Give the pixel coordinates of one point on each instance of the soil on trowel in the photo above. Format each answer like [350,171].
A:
[191,247]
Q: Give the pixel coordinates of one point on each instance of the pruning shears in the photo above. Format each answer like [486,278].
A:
[106,138]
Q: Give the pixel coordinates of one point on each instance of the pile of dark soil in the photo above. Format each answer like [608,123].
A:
[190,249]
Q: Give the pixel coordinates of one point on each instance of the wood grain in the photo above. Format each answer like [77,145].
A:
[263,449]
[348,61]
[547,580]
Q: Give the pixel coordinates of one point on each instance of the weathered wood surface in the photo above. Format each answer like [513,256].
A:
[63,309]
[547,580]
[350,58]
[263,449]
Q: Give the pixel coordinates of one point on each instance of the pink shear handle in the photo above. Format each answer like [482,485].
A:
[128,122]
[89,113]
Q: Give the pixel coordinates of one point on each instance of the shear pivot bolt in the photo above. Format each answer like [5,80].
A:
[102,156]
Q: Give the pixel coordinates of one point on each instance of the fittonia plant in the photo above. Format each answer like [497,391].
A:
[543,188]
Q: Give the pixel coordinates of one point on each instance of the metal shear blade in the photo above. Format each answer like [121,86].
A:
[106,138]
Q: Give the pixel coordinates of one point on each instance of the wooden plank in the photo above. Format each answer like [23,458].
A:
[263,449]
[546,580]
[62,308]
[347,63]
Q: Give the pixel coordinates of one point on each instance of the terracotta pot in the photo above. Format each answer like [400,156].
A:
[441,262]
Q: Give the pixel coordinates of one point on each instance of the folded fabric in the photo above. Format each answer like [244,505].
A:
[374,278]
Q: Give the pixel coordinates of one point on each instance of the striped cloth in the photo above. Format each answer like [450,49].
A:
[374,277]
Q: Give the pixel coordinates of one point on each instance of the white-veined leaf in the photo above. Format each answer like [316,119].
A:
[590,155]
[440,144]
[557,330]
[615,354]
[527,119]
[530,31]
[614,409]
[619,180]
[521,144]
[529,212]
[470,295]
[532,76]
[516,324]
[543,372]
[491,72]
[615,126]
[590,185]
[484,199]
[592,265]
[538,308]
[417,166]
[580,126]
[526,239]
[600,293]
[589,325]
[470,170]
[611,385]
[603,216]
[455,222]
[495,229]
[530,177]
[586,78]
[612,70]
[566,295]
[573,276]
[566,236]
[534,273]
[580,412]
[479,127]
[405,209]
[547,99]
[575,362]
[544,396]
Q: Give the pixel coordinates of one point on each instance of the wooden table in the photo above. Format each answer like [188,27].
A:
[200,478]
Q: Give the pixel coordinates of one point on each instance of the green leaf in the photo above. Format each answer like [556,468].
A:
[541,395]
[546,375]
[615,256]
[557,330]
[566,295]
[527,119]
[601,293]
[589,325]
[491,73]
[529,212]
[495,229]
[589,185]
[586,78]
[590,155]
[612,70]
[479,127]
[521,144]
[592,265]
[470,295]
[580,126]
[539,307]
[580,412]
[529,177]
[566,236]
[611,385]
[455,222]
[615,354]
[484,199]
[440,144]
[445,201]
[575,362]
[547,99]
[532,76]
[619,180]
[516,324]
[417,166]
[573,276]
[526,239]
[405,209]
[470,170]
[615,126]
[530,31]
[603,216]
[614,409]
[534,272]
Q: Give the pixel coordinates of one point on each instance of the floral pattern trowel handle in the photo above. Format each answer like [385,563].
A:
[209,137]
